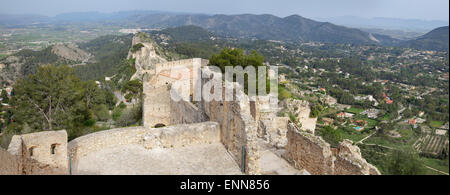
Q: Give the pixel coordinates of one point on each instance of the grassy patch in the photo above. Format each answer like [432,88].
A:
[352,134]
[404,142]
[355,110]
[441,165]
[355,137]
[386,117]
[2,56]
[283,93]
[328,112]
[406,132]
[436,124]
[371,123]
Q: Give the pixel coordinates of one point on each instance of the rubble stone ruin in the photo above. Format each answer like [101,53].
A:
[187,137]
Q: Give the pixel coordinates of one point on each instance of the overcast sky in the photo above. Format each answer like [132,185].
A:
[410,9]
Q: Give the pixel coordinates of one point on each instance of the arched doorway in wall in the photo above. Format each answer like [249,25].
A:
[160,125]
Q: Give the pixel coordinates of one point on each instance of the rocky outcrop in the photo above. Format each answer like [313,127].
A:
[301,111]
[274,131]
[71,52]
[10,69]
[146,57]
[349,161]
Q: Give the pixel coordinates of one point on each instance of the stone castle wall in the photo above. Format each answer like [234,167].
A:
[184,112]
[188,63]
[306,151]
[8,163]
[42,153]
[238,129]
[350,162]
[157,86]
[274,131]
[156,106]
[168,137]
[183,135]
[236,124]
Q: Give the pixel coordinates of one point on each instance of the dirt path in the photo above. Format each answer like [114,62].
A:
[120,97]
[435,170]
[364,139]
[380,146]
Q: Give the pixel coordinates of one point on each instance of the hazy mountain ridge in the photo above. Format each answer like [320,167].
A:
[267,27]
[437,39]
[414,25]
[248,26]
[396,34]
[27,61]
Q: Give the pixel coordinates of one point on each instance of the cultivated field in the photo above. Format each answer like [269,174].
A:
[431,144]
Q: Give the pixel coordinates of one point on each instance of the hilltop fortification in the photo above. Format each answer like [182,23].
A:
[197,136]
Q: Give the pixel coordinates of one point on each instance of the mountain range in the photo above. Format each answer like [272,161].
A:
[293,28]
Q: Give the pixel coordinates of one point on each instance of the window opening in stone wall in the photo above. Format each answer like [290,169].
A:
[53,149]
[31,150]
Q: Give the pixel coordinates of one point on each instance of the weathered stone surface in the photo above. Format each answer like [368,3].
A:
[274,131]
[49,148]
[178,76]
[309,152]
[85,150]
[8,163]
[184,112]
[168,137]
[201,159]
[184,135]
[302,112]
[272,163]
[312,153]
[237,126]
[350,162]
[41,153]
